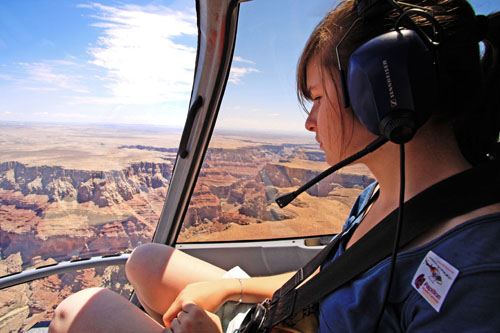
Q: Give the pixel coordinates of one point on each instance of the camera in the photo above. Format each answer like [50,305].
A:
[254,320]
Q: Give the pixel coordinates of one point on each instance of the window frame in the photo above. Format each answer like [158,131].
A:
[213,64]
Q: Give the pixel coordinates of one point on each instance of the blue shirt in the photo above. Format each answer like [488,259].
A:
[472,302]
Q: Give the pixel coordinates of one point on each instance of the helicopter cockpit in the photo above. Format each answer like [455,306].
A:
[174,122]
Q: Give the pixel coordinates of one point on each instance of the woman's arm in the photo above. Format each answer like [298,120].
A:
[210,295]
[257,289]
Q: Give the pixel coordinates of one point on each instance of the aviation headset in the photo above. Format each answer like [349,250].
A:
[392,81]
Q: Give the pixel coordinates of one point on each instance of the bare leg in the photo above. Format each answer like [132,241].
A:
[158,273]
[155,315]
[100,310]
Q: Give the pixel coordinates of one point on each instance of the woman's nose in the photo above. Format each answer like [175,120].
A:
[311,120]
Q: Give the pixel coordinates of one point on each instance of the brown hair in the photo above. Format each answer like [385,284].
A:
[469,86]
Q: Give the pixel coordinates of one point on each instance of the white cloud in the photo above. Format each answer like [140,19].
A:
[240,59]
[49,75]
[237,73]
[139,50]
[68,116]
[46,75]
[5,77]
[139,69]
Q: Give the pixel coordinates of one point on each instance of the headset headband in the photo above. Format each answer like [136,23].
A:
[371,8]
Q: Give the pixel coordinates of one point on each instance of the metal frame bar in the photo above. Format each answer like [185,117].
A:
[217,25]
[61,267]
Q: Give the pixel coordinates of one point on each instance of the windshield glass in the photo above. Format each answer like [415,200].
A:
[93,98]
[260,148]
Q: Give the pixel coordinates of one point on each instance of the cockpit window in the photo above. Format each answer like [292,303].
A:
[260,148]
[93,98]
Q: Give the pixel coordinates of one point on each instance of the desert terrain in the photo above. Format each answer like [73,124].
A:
[73,191]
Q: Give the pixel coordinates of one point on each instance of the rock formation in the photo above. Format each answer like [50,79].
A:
[103,188]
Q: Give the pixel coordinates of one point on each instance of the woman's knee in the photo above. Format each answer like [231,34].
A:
[73,308]
[100,310]
[147,262]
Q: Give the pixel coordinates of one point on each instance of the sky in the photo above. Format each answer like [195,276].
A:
[132,62]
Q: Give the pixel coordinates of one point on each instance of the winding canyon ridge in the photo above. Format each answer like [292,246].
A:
[75,191]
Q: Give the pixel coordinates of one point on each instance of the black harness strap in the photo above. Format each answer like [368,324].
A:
[311,266]
[442,201]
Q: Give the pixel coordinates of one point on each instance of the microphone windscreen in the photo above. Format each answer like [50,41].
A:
[285,199]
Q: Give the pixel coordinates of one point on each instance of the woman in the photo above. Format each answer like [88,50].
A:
[182,293]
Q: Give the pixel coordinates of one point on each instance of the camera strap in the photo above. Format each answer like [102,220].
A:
[452,197]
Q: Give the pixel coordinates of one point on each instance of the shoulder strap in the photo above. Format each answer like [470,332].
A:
[454,196]
[311,266]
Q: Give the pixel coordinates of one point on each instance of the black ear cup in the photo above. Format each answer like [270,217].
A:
[392,84]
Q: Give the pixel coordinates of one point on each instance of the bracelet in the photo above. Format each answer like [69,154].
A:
[241,291]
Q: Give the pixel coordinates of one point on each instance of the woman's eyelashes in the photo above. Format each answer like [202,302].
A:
[316,102]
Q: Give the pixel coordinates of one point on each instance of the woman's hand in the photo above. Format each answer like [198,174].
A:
[209,295]
[193,318]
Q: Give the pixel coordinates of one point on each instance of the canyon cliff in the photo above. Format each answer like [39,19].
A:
[50,213]
[104,188]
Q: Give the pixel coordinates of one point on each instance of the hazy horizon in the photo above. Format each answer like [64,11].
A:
[236,131]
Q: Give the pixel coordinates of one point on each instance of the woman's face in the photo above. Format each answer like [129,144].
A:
[339,133]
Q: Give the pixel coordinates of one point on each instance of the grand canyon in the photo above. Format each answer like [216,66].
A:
[75,191]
